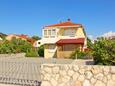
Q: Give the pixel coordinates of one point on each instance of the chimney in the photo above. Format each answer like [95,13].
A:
[68,19]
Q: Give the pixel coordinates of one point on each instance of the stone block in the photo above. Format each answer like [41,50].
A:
[55,70]
[45,83]
[113,69]
[99,83]
[86,83]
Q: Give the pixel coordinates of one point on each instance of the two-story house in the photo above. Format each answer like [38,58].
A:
[61,39]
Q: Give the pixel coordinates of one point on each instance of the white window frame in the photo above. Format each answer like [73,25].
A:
[46,33]
[53,33]
[49,32]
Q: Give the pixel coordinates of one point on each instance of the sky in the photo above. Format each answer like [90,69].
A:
[29,16]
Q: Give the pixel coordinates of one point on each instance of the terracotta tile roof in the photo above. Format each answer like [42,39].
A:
[71,41]
[23,36]
[67,23]
[27,38]
[20,36]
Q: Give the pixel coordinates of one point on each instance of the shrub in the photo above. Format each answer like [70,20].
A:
[78,54]
[36,37]
[41,51]
[81,55]
[6,47]
[15,46]
[73,55]
[32,53]
[20,46]
[104,52]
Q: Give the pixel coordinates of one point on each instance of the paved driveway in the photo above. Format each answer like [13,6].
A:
[19,71]
[24,71]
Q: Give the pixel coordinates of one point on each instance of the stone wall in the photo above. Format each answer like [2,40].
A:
[77,75]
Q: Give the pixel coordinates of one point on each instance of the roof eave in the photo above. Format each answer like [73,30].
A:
[63,26]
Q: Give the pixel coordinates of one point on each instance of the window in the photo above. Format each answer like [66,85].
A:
[49,32]
[69,47]
[45,32]
[69,32]
[53,32]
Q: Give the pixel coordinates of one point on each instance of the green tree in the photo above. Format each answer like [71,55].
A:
[15,46]
[36,37]
[104,52]
[41,51]
[89,43]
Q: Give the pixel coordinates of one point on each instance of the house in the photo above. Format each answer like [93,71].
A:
[61,39]
[11,36]
[22,37]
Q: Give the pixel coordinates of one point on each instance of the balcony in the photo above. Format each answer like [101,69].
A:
[66,37]
[50,40]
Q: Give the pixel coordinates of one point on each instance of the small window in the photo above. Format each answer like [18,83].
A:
[53,32]
[45,32]
[49,32]
[69,32]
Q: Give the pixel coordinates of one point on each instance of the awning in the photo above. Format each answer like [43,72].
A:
[71,41]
